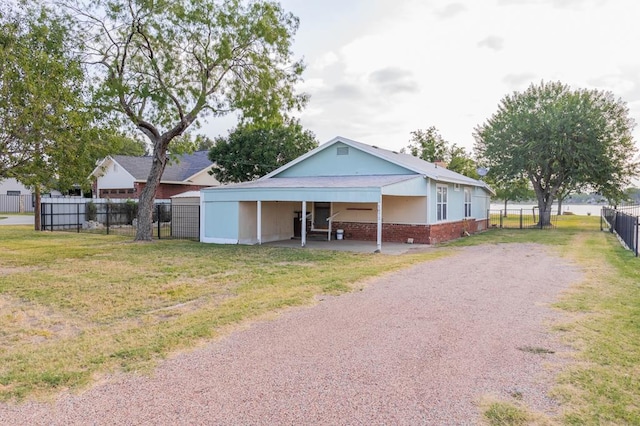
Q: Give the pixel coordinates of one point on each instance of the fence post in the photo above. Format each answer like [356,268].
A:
[78,216]
[108,218]
[637,233]
[158,212]
[520,218]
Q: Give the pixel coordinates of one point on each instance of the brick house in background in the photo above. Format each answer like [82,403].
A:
[123,176]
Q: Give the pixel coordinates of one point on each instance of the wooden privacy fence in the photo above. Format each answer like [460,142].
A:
[16,203]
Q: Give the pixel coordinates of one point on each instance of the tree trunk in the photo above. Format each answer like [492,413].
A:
[144,232]
[545,205]
[37,210]
[545,202]
[505,207]
[560,205]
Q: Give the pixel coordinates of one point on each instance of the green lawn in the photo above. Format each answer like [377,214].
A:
[75,306]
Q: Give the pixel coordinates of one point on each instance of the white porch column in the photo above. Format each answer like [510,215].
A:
[379,236]
[259,222]
[303,228]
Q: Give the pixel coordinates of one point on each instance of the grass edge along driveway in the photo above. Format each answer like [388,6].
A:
[167,296]
[77,306]
[601,323]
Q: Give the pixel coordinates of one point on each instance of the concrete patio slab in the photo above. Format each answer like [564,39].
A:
[351,246]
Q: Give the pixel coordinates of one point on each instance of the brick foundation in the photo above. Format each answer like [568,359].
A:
[399,233]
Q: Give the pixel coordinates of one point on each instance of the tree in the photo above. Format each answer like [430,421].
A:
[514,190]
[430,146]
[251,151]
[162,65]
[48,138]
[459,161]
[555,136]
[122,144]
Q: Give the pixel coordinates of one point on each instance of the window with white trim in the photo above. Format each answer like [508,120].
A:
[467,202]
[441,202]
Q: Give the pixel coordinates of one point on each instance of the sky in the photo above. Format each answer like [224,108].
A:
[379,69]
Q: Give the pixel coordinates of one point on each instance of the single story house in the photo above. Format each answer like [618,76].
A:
[366,192]
[124,176]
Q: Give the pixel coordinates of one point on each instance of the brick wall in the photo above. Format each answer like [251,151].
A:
[400,233]
[164,191]
[391,232]
[452,230]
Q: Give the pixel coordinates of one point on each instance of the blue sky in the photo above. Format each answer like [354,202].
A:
[379,69]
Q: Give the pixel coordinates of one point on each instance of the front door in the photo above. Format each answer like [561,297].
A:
[321,212]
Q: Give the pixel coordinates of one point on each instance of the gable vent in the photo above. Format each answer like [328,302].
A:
[342,150]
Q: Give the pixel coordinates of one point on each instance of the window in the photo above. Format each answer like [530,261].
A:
[13,193]
[467,202]
[441,202]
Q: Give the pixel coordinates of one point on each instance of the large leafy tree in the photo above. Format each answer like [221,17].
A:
[557,138]
[164,64]
[48,138]
[430,146]
[251,151]
[123,144]
[460,161]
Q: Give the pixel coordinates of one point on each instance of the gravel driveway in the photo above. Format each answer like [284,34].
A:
[420,346]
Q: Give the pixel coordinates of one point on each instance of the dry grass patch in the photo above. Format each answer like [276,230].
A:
[496,412]
[83,305]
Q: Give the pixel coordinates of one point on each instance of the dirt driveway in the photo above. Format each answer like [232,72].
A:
[421,346]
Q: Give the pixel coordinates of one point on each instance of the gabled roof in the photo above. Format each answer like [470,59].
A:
[180,170]
[407,161]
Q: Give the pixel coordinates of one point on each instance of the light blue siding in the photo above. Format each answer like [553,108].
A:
[480,202]
[455,203]
[328,163]
[221,220]
[413,187]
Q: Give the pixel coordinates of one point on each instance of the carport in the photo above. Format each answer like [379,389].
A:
[229,216]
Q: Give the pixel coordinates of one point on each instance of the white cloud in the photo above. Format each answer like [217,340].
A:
[379,69]
[492,42]
[451,10]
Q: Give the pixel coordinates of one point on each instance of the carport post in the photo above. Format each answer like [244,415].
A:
[259,219]
[379,233]
[303,227]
